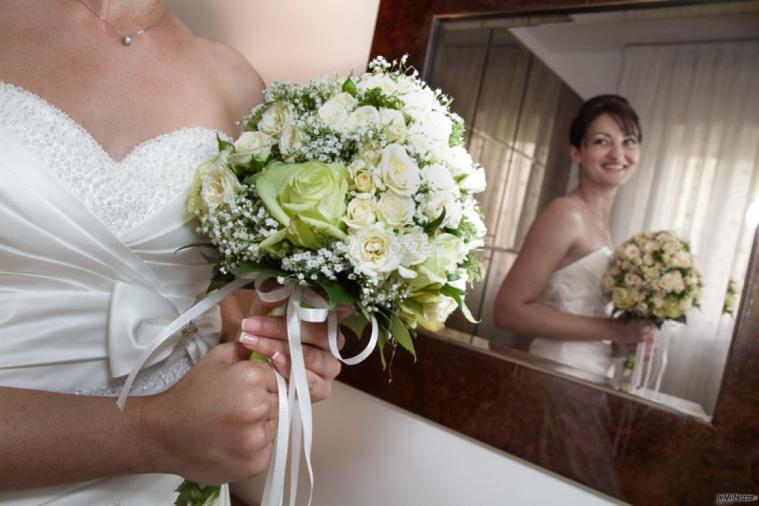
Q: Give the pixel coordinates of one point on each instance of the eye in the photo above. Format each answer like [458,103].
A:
[630,141]
[600,141]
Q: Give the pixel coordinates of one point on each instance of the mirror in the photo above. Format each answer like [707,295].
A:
[691,73]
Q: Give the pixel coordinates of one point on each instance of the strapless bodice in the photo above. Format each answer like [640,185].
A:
[92,269]
[576,289]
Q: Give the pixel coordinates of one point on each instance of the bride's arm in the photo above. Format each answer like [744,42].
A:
[553,235]
[216,425]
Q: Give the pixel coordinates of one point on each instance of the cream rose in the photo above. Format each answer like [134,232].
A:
[396,210]
[474,182]
[214,184]
[363,118]
[415,247]
[435,204]
[381,81]
[251,145]
[360,212]
[672,282]
[393,124]
[334,112]
[437,312]
[398,170]
[374,250]
[459,162]
[291,140]
[274,119]
[439,178]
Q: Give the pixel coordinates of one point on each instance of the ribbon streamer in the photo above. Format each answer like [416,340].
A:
[295,423]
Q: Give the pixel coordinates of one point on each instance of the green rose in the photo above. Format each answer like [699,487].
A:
[623,298]
[428,310]
[446,251]
[308,199]
[670,309]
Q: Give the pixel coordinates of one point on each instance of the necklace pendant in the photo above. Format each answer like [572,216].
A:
[126,40]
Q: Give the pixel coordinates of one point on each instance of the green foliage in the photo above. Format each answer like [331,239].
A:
[222,143]
[339,292]
[475,271]
[458,295]
[457,133]
[192,494]
[376,98]
[430,227]
[350,87]
[401,335]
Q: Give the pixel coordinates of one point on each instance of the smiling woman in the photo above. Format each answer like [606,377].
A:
[553,291]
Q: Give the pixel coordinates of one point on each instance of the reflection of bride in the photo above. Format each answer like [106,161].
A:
[90,270]
[554,289]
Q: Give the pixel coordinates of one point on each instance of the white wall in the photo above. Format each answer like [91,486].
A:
[367,452]
[295,40]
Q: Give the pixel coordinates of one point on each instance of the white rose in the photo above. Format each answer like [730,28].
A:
[275,118]
[291,140]
[360,212]
[681,259]
[672,282]
[459,162]
[439,311]
[438,126]
[363,118]
[396,210]
[474,182]
[393,124]
[417,104]
[685,305]
[334,113]
[415,247]
[439,151]
[374,250]
[633,280]
[381,81]
[219,185]
[631,252]
[439,178]
[443,200]
[473,217]
[398,170]
[251,145]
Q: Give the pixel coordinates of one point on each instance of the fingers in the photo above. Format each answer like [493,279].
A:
[316,360]
[276,327]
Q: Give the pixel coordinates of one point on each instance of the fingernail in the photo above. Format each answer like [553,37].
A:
[251,325]
[279,359]
[249,339]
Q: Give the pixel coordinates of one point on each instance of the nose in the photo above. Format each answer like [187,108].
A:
[616,152]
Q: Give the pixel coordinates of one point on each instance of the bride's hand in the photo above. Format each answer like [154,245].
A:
[217,424]
[637,331]
[267,335]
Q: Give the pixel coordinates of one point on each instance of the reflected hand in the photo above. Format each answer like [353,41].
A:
[637,331]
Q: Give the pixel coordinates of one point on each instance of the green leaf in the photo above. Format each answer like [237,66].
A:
[337,293]
[356,323]
[262,267]
[381,342]
[350,87]
[192,494]
[258,357]
[402,335]
[430,227]
[458,296]
[222,143]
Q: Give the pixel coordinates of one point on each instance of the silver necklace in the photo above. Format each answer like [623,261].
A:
[126,38]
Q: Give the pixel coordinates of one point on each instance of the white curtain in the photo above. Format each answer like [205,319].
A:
[698,173]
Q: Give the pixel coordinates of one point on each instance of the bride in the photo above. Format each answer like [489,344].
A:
[106,108]
[554,289]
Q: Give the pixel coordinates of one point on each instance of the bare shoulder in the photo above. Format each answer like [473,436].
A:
[562,213]
[238,80]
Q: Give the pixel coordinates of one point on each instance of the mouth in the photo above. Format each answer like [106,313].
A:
[614,167]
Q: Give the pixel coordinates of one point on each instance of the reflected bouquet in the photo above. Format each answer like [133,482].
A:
[654,275]
[348,190]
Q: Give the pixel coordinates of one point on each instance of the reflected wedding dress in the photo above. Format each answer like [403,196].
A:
[576,289]
[90,272]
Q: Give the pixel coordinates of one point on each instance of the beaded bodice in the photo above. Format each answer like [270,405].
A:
[120,193]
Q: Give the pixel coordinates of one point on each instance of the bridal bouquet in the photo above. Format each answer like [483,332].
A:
[653,276]
[358,188]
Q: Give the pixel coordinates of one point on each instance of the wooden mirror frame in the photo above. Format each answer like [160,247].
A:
[625,447]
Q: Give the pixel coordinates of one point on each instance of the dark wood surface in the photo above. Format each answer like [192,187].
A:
[611,442]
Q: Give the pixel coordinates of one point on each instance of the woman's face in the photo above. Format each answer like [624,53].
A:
[607,156]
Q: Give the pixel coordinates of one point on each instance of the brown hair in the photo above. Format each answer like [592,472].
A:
[615,106]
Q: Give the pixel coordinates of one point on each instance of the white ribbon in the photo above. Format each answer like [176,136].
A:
[295,424]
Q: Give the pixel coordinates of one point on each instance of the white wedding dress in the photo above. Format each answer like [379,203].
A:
[576,289]
[90,272]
